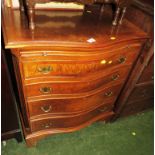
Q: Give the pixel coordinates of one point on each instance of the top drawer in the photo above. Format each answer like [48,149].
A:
[61,65]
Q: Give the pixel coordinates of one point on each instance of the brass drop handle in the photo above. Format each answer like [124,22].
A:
[45,70]
[103,109]
[46,109]
[45,90]
[121,60]
[108,94]
[47,125]
[115,77]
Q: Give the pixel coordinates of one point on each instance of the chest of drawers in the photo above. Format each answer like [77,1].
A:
[69,72]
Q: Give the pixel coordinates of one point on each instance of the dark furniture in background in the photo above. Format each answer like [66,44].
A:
[140,94]
[9,120]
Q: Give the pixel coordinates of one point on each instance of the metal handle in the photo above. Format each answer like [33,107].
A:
[108,94]
[115,77]
[45,90]
[121,60]
[46,108]
[45,70]
[104,109]
[47,125]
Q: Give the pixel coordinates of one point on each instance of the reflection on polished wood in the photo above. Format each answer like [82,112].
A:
[70,69]
[120,7]
[53,27]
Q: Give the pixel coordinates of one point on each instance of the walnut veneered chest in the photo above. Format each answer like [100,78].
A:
[70,70]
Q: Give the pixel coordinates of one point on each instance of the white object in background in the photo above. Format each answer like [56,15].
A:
[15,4]
[61,5]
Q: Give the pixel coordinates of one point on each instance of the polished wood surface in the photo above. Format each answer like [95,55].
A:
[71,69]
[80,65]
[52,29]
[68,121]
[73,105]
[73,87]
[119,11]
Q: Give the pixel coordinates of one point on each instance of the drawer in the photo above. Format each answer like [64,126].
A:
[71,121]
[86,85]
[40,108]
[79,66]
[148,73]
[142,92]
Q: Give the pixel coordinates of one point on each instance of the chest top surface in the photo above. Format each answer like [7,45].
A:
[65,28]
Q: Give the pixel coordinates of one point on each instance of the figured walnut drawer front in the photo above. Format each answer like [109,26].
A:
[50,67]
[70,121]
[74,105]
[47,88]
[142,92]
[148,73]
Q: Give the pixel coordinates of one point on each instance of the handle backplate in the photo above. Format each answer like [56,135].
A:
[47,125]
[115,77]
[122,60]
[46,109]
[108,94]
[45,70]
[103,109]
[45,90]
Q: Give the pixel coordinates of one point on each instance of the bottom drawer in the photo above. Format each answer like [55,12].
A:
[75,121]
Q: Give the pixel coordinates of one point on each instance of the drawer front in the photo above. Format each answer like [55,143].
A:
[48,88]
[142,92]
[74,105]
[148,73]
[71,121]
[51,67]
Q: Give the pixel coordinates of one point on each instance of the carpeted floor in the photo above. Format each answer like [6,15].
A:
[127,136]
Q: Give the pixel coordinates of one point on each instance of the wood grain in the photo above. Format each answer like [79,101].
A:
[65,68]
